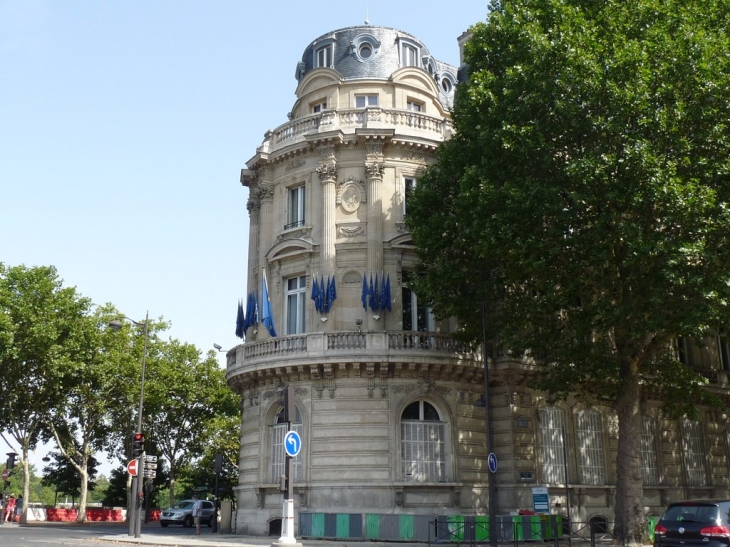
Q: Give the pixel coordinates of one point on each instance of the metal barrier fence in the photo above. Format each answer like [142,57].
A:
[522,529]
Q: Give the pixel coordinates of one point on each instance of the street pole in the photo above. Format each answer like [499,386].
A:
[490,438]
[134,524]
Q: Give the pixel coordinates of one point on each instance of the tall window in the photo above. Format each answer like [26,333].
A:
[409,55]
[682,353]
[295,213]
[649,453]
[278,454]
[416,316]
[552,445]
[694,453]
[324,57]
[296,293]
[722,346]
[409,184]
[319,107]
[362,101]
[414,106]
[590,447]
[422,441]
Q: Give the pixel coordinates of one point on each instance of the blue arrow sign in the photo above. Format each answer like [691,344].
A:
[492,462]
[292,443]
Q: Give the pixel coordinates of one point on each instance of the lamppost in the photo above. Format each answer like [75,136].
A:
[491,458]
[135,524]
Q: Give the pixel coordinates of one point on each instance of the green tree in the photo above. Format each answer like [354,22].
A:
[39,316]
[586,196]
[184,396]
[93,393]
[67,479]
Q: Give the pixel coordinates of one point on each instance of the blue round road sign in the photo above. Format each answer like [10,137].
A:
[492,462]
[292,443]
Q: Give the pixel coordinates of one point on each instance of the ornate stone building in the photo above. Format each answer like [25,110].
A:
[385,399]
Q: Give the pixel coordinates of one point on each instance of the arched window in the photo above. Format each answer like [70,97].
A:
[422,441]
[278,454]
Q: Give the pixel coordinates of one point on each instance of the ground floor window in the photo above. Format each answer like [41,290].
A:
[552,445]
[278,454]
[423,435]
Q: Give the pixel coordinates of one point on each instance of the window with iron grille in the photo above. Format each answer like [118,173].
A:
[422,444]
[278,454]
[295,205]
[694,453]
[649,457]
[552,445]
[590,447]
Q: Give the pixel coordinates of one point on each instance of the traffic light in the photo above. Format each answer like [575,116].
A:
[11,460]
[137,445]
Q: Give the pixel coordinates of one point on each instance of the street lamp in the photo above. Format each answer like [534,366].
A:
[135,524]
[483,401]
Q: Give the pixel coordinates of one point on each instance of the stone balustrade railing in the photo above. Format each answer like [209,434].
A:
[349,346]
[437,128]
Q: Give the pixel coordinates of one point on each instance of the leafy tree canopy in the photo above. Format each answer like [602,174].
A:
[586,197]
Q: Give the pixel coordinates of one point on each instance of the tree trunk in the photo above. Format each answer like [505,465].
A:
[629,504]
[26,486]
[172,489]
[81,514]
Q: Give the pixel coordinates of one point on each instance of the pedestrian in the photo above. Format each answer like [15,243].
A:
[18,507]
[10,508]
[197,513]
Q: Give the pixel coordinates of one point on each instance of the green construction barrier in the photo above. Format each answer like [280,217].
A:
[372,526]
[455,524]
[651,521]
[318,525]
[405,527]
[481,528]
[343,525]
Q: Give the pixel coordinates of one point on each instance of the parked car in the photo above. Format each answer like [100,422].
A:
[182,513]
[694,522]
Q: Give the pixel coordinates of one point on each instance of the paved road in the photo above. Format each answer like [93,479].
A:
[110,534]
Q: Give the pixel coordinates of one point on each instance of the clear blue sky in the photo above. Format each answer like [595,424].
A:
[124,126]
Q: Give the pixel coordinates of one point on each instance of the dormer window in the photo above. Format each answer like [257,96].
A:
[447,83]
[323,56]
[365,47]
[410,52]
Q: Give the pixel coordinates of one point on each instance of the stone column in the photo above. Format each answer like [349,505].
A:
[254,210]
[374,167]
[266,231]
[327,171]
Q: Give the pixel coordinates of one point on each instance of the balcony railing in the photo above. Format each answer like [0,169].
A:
[361,118]
[336,346]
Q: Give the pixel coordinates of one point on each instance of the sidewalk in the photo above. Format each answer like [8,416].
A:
[235,540]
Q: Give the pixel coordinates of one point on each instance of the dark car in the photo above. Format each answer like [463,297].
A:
[182,513]
[694,522]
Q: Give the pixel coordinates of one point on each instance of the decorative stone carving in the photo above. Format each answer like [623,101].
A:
[265,191]
[350,194]
[375,148]
[327,173]
[253,204]
[351,230]
[295,164]
[399,497]
[352,278]
[374,170]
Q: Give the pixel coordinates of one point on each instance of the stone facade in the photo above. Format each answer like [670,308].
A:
[327,200]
